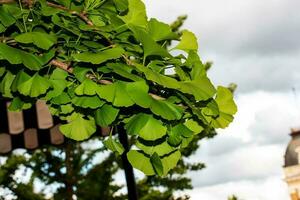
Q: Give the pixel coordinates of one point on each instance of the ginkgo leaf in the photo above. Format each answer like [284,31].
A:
[201,88]
[138,92]
[182,130]
[121,5]
[161,149]
[78,128]
[20,78]
[226,106]
[41,40]
[193,126]
[6,84]
[136,14]
[170,161]
[149,45]
[159,78]
[145,126]
[114,145]
[188,42]
[17,56]
[35,86]
[87,87]
[157,164]
[100,57]
[160,31]
[139,161]
[106,115]
[92,102]
[6,18]
[166,109]
[115,93]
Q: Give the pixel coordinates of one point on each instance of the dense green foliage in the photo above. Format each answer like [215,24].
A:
[103,63]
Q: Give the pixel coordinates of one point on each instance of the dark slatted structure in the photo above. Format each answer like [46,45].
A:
[30,129]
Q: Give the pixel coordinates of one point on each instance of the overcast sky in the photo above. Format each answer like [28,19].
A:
[255,44]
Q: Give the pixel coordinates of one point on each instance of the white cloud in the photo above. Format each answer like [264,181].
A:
[272,188]
[253,43]
[252,148]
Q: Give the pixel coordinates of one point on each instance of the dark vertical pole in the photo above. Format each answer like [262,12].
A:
[130,180]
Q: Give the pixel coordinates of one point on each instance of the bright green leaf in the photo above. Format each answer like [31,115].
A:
[100,57]
[170,162]
[35,86]
[139,161]
[114,145]
[87,87]
[202,89]
[41,40]
[115,93]
[166,109]
[92,102]
[136,14]
[157,164]
[188,42]
[78,128]
[145,126]
[106,115]
[160,31]
[226,106]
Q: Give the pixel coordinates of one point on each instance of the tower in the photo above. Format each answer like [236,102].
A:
[292,165]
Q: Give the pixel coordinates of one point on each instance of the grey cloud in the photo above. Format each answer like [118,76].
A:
[253,43]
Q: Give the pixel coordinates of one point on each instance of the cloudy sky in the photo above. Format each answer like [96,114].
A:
[255,44]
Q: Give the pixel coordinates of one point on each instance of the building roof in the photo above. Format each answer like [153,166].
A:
[291,157]
[30,129]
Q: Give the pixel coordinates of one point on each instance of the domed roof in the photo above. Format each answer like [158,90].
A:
[291,156]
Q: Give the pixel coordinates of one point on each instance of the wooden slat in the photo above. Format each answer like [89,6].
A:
[15,122]
[44,117]
[5,143]
[31,138]
[56,136]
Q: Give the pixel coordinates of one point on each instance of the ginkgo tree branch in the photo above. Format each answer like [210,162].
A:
[69,69]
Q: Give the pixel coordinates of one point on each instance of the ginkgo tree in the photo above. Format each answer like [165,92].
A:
[103,63]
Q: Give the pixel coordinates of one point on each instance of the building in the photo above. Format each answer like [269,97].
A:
[292,165]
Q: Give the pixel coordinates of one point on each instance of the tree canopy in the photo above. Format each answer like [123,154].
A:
[100,63]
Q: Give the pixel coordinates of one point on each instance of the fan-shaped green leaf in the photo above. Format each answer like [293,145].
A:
[149,45]
[169,162]
[78,128]
[116,94]
[188,42]
[160,31]
[226,106]
[106,115]
[138,92]
[92,102]
[121,5]
[41,40]
[114,145]
[98,58]
[166,109]
[139,161]
[6,83]
[157,164]
[136,14]
[202,89]
[145,126]
[161,149]
[35,86]
[87,87]
[193,126]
